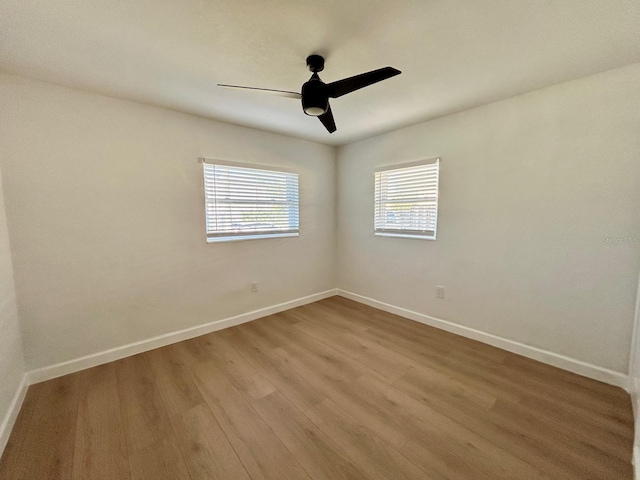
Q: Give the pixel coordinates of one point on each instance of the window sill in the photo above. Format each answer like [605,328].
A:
[405,235]
[237,238]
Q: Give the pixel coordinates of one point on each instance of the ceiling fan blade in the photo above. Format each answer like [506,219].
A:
[347,85]
[327,120]
[282,93]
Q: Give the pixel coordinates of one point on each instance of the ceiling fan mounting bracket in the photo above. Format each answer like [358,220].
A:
[315,63]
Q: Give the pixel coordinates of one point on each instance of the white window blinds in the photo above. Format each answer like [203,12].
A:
[245,203]
[406,200]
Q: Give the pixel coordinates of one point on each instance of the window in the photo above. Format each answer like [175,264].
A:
[406,200]
[247,203]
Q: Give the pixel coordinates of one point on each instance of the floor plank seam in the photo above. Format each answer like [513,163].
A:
[333,389]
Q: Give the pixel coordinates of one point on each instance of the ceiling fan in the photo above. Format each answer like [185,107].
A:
[315,93]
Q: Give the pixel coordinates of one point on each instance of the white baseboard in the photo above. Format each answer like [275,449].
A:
[75,365]
[12,414]
[71,366]
[576,366]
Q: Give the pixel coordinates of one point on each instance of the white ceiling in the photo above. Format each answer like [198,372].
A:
[454,54]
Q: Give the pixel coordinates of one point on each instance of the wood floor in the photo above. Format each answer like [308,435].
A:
[332,390]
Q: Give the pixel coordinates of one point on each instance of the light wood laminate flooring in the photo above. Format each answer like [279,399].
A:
[331,390]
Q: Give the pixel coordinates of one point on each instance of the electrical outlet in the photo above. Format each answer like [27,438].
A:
[439,291]
[254,287]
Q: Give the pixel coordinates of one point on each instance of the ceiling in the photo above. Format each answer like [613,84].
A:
[454,54]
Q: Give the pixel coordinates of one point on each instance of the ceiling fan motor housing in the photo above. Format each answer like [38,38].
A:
[315,101]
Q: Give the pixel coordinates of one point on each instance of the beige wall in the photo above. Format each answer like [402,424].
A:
[11,362]
[528,189]
[105,206]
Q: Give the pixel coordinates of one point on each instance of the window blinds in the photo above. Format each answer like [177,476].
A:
[243,203]
[406,200]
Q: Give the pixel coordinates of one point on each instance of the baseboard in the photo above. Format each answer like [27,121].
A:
[71,366]
[576,366]
[14,408]
[75,365]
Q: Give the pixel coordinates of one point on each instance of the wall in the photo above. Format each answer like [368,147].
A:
[529,188]
[105,208]
[11,362]
[104,205]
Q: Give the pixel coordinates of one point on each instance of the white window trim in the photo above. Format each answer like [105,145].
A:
[257,166]
[405,235]
[409,233]
[234,237]
[239,238]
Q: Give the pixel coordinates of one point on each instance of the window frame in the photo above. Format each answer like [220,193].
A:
[250,235]
[398,233]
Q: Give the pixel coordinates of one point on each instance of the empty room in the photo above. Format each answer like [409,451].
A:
[302,240]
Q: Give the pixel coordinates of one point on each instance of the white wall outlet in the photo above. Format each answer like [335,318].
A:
[254,287]
[439,291]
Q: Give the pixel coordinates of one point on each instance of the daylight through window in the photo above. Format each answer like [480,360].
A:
[406,200]
[245,203]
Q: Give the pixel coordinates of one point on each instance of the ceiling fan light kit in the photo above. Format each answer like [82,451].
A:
[315,93]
